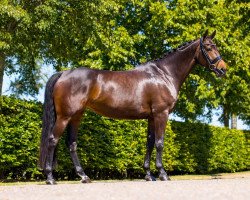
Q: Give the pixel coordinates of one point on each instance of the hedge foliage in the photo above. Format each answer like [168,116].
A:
[115,148]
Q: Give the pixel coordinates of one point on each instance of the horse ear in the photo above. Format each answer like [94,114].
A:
[213,35]
[205,34]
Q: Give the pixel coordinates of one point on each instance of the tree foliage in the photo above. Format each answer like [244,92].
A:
[202,92]
[119,34]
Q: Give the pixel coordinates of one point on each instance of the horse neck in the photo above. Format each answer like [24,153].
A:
[178,64]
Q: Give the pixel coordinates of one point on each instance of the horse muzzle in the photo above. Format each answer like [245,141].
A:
[219,68]
[219,72]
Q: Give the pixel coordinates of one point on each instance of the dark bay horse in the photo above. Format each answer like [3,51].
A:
[149,91]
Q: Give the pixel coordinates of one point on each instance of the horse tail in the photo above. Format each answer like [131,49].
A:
[48,120]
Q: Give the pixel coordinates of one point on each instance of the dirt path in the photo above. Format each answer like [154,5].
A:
[222,189]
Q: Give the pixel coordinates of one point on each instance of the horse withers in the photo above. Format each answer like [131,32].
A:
[149,91]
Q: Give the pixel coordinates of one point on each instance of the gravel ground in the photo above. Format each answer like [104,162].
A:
[222,189]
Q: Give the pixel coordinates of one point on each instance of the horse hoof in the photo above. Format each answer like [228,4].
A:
[150,178]
[86,179]
[51,182]
[164,177]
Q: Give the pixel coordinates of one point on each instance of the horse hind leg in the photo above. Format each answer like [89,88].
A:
[58,129]
[150,147]
[72,145]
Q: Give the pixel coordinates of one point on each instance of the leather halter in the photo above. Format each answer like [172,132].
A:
[212,63]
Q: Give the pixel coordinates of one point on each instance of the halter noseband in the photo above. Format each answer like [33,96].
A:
[211,63]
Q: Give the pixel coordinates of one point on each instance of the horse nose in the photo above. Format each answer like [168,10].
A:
[222,66]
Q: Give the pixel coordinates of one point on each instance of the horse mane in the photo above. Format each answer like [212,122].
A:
[170,52]
[179,48]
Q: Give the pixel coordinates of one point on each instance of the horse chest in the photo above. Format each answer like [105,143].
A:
[164,98]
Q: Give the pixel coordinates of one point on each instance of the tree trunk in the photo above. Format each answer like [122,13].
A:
[225,116]
[234,121]
[2,65]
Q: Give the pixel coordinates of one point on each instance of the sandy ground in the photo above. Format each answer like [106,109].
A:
[222,189]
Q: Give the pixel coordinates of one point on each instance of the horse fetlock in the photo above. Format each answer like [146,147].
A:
[146,165]
[50,179]
[159,165]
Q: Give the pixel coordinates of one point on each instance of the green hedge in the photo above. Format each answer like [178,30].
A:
[115,148]
[20,123]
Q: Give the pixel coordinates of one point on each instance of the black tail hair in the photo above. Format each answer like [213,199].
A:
[49,119]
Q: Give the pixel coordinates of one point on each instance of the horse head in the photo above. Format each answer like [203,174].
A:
[209,56]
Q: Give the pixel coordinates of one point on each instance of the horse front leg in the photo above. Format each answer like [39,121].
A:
[150,147]
[160,126]
[71,143]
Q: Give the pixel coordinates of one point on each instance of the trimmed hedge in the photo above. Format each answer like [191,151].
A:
[111,148]
[20,129]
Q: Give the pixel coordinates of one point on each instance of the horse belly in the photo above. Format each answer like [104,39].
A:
[123,111]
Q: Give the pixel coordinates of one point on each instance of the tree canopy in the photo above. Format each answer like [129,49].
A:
[119,34]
